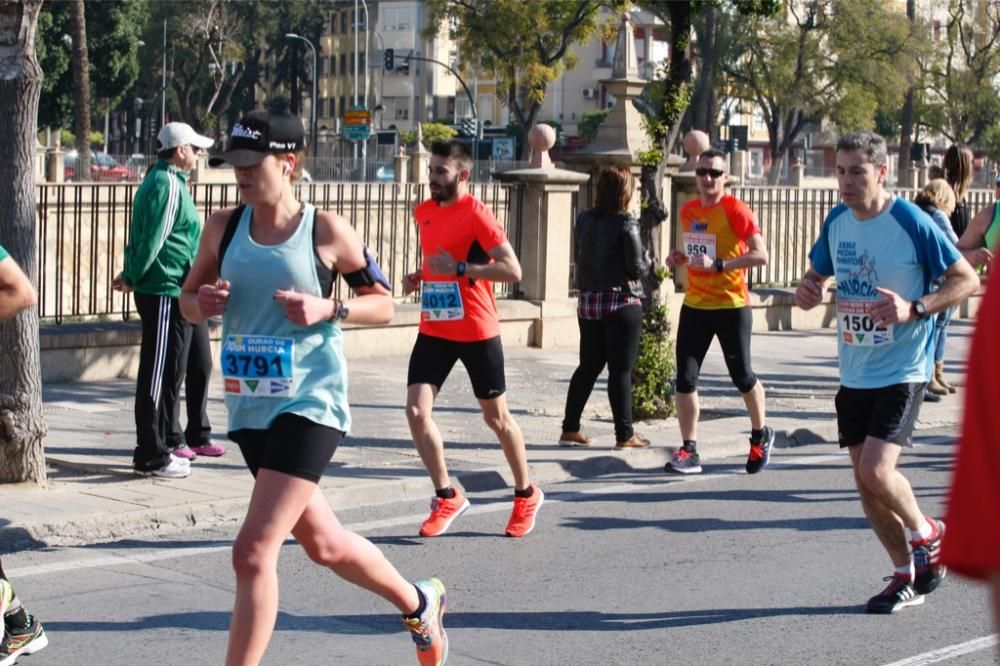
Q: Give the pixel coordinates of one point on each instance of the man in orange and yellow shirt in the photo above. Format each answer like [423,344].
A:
[721,239]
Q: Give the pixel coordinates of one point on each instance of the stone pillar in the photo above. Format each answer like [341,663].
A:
[545,234]
[39,162]
[683,189]
[907,177]
[738,162]
[400,166]
[797,176]
[55,171]
[921,178]
[200,165]
[421,159]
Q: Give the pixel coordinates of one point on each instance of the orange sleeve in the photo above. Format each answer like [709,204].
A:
[741,218]
[486,228]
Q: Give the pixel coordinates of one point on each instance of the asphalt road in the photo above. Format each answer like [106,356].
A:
[640,569]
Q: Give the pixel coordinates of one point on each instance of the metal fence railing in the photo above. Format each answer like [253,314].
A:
[790,219]
[82,230]
[354,170]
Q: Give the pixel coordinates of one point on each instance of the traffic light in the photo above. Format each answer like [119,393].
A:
[390,58]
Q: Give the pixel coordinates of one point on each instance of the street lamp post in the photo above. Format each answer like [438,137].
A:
[312,105]
[364,144]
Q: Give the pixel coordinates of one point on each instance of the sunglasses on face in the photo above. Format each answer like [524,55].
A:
[714,173]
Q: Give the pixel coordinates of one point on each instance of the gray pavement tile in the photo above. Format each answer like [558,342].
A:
[93,495]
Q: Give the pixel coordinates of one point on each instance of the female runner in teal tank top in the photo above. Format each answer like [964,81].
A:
[286,380]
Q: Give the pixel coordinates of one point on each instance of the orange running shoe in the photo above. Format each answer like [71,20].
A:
[443,512]
[522,518]
[427,630]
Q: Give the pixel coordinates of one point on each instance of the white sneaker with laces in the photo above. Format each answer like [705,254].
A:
[175,469]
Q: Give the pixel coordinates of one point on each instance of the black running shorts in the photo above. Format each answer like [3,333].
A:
[695,330]
[293,445]
[433,358]
[887,413]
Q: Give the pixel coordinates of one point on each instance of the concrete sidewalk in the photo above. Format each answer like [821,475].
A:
[92,494]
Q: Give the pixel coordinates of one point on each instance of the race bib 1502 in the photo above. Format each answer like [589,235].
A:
[858,328]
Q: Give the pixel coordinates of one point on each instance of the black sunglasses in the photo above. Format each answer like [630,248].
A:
[714,173]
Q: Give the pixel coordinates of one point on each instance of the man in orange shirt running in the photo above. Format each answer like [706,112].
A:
[465,250]
[721,240]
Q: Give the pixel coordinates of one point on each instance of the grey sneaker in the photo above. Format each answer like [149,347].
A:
[684,462]
[760,454]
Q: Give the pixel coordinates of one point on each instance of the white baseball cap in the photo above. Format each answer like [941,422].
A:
[181,134]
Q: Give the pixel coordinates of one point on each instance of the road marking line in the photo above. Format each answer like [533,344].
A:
[950,652]
[125,557]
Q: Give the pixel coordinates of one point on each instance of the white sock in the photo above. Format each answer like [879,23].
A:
[923,531]
[906,570]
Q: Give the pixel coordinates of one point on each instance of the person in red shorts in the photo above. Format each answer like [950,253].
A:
[970,547]
[465,250]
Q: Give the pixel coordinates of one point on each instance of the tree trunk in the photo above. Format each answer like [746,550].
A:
[81,92]
[706,111]
[906,121]
[21,425]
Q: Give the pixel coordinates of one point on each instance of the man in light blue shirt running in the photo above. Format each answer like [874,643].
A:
[883,252]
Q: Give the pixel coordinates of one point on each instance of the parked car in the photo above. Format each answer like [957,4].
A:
[103,168]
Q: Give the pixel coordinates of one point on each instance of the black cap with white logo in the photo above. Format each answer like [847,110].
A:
[259,134]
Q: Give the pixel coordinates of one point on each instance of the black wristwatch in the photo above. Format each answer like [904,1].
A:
[719,266]
[918,309]
[460,268]
[340,312]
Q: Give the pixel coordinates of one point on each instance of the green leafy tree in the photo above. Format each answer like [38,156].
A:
[590,123]
[204,59]
[959,97]
[842,60]
[523,45]
[112,52]
[436,132]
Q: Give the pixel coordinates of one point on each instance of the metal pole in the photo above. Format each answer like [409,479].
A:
[312,105]
[354,144]
[468,93]
[314,100]
[364,144]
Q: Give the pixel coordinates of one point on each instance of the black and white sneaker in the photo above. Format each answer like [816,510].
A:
[760,454]
[898,595]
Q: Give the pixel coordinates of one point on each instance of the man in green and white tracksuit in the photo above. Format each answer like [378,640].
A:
[162,245]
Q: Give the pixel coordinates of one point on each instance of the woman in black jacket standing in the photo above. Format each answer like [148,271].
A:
[609,263]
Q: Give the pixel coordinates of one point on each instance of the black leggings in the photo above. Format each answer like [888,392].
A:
[695,331]
[611,341]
